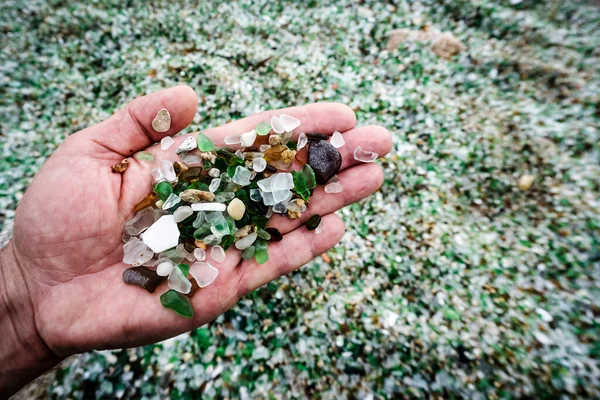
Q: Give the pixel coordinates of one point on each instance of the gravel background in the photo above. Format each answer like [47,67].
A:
[450,282]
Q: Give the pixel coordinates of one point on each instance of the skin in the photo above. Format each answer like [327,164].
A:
[61,289]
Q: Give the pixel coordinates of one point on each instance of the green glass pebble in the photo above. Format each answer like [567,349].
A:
[248,253]
[199,186]
[263,128]
[185,268]
[313,222]
[260,254]
[204,143]
[260,221]
[164,190]
[263,234]
[144,156]
[202,232]
[227,241]
[301,185]
[178,303]
[309,175]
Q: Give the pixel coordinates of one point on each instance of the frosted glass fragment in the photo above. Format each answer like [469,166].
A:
[337,140]
[140,222]
[212,240]
[255,195]
[162,235]
[296,206]
[264,147]
[217,254]
[288,122]
[333,187]
[200,218]
[204,273]
[233,139]
[280,208]
[276,125]
[166,142]
[164,268]
[208,207]
[281,195]
[167,171]
[282,181]
[364,155]
[265,184]
[246,242]
[182,213]
[157,175]
[302,141]
[191,159]
[214,184]
[224,197]
[199,254]
[259,164]
[247,139]
[241,176]
[171,201]
[178,282]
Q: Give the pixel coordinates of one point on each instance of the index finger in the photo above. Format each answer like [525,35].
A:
[316,117]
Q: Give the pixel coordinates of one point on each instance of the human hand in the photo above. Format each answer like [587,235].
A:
[63,271]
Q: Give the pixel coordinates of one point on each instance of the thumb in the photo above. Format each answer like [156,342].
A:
[131,128]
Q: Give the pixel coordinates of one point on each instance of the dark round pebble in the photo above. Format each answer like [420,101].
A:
[276,236]
[313,222]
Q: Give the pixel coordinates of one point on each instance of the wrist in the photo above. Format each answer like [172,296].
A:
[23,353]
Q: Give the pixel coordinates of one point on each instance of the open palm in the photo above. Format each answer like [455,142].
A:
[68,228]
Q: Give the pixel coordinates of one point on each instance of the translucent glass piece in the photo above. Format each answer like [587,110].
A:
[241,176]
[246,242]
[166,142]
[217,254]
[288,122]
[167,171]
[259,164]
[337,140]
[182,213]
[204,273]
[178,282]
[302,141]
[214,184]
[364,156]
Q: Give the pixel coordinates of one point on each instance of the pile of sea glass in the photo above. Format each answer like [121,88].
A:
[214,199]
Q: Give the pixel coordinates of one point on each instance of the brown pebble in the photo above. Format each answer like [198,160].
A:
[180,168]
[148,201]
[326,258]
[121,167]
[142,277]
[196,196]
[162,121]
